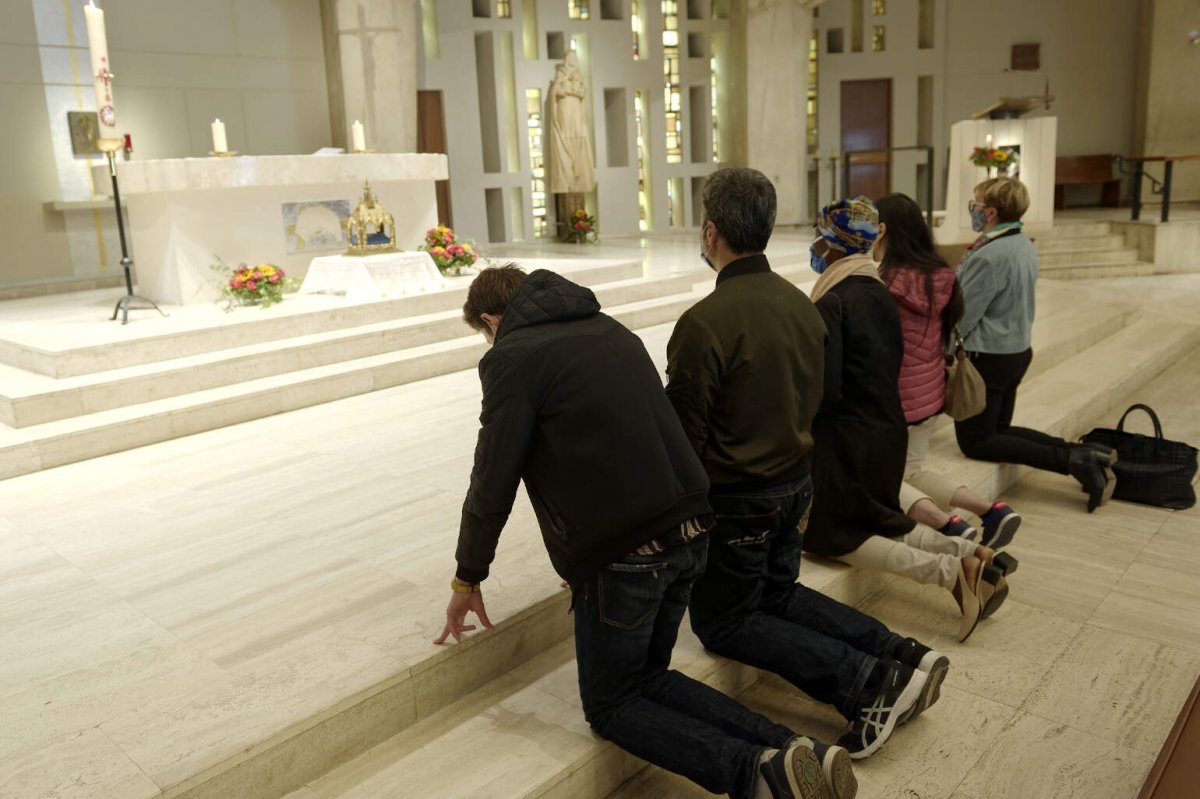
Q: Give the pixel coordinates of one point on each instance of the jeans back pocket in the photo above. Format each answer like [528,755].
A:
[629,593]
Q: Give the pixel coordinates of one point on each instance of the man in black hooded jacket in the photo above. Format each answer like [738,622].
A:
[573,405]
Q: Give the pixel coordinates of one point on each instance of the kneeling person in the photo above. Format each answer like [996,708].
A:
[572,404]
[745,368]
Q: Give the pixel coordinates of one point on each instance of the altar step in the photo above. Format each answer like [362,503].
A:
[94,415]
[92,434]
[522,735]
[1086,250]
[196,330]
[39,399]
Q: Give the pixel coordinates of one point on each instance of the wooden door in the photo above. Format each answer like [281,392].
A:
[431,138]
[867,126]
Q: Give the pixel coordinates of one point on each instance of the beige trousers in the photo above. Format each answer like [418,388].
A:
[918,483]
[924,555]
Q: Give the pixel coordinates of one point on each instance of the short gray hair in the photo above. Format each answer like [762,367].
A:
[741,203]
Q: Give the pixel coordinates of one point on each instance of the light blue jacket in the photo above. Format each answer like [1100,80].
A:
[997,282]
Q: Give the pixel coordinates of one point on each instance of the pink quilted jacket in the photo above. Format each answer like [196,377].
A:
[923,370]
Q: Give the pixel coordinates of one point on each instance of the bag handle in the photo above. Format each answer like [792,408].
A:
[958,347]
[1149,412]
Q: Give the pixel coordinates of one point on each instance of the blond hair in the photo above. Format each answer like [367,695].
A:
[1008,196]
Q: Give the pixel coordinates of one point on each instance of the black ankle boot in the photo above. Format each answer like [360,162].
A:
[1092,468]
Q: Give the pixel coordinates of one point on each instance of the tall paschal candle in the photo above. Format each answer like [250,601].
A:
[101,70]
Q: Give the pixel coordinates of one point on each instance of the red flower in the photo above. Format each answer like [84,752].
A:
[273,279]
[251,286]
[579,226]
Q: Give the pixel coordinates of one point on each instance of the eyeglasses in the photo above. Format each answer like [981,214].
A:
[974,204]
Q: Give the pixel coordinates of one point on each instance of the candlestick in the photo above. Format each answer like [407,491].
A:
[220,145]
[358,137]
[101,73]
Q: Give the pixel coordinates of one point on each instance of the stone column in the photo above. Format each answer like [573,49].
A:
[777,34]
[371,51]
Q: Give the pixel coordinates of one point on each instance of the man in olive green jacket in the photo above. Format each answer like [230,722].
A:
[745,369]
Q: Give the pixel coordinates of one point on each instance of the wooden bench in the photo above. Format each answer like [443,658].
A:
[1074,170]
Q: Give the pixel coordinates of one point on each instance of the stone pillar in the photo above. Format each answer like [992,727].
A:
[777,32]
[371,51]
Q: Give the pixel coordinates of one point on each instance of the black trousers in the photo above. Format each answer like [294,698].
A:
[990,436]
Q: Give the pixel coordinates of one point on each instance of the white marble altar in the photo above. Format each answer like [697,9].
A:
[373,277]
[186,213]
[1037,138]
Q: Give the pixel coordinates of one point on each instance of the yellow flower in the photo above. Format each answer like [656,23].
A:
[1001,155]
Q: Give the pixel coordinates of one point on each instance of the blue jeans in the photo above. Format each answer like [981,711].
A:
[626,621]
[749,607]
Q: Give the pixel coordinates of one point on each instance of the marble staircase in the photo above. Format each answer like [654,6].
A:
[62,406]
[317,597]
[531,716]
[1085,250]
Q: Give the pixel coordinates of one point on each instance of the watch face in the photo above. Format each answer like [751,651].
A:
[108,116]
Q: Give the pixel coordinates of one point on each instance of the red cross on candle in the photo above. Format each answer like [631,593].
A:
[104,76]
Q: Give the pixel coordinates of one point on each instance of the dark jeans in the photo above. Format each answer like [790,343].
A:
[749,607]
[626,622]
[990,436]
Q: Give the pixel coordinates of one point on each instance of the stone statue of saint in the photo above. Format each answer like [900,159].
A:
[572,166]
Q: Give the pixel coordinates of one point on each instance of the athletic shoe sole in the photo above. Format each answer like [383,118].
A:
[839,773]
[805,776]
[1005,531]
[936,665]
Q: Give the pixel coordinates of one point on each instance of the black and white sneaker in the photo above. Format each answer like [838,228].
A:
[915,654]
[836,766]
[894,697]
[795,773]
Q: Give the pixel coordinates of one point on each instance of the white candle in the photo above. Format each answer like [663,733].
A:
[220,145]
[358,136]
[101,73]
[989,141]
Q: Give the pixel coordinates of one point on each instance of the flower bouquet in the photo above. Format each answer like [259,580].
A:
[579,228]
[992,157]
[260,284]
[452,257]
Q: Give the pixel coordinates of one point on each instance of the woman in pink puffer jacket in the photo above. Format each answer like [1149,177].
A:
[930,304]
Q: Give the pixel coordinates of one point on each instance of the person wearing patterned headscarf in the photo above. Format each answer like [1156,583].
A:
[860,436]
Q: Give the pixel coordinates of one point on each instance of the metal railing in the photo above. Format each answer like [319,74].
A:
[1139,171]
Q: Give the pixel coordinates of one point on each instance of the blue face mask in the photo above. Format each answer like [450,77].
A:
[978,219]
[819,263]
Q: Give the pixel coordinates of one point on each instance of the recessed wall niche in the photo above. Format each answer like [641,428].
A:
[700,123]
[835,40]
[697,45]
[489,121]
[616,126]
[556,45]
[481,8]
[494,200]
[612,9]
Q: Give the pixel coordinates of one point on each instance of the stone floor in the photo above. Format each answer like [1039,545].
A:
[185,590]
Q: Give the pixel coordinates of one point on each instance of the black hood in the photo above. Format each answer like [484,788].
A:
[547,297]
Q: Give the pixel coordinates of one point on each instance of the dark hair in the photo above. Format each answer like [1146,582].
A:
[490,293]
[910,245]
[741,203]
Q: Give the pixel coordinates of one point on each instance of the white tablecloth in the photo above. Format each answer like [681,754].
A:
[373,277]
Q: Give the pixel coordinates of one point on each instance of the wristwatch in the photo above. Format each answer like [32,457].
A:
[459,587]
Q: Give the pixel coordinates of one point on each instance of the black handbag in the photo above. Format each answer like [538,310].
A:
[1151,470]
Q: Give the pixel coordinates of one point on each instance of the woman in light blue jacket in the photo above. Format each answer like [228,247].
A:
[998,276]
